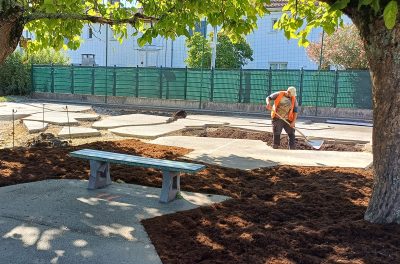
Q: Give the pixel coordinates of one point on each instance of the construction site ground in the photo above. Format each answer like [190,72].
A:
[257,213]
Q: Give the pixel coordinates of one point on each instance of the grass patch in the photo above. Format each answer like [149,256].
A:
[5,99]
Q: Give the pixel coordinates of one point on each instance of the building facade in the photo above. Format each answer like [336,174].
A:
[270,48]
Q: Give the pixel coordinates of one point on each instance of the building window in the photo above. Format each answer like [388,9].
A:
[273,21]
[90,33]
[88,60]
[278,65]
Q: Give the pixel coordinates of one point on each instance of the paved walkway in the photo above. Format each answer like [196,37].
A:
[252,154]
[60,221]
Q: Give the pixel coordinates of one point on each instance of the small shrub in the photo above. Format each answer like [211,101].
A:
[15,72]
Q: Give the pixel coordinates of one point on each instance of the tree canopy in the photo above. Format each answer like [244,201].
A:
[343,49]
[229,55]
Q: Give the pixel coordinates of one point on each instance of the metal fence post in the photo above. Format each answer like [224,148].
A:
[32,79]
[93,80]
[161,84]
[240,85]
[114,91]
[72,80]
[270,81]
[301,86]
[106,88]
[212,85]
[137,82]
[336,88]
[52,79]
[317,97]
[186,82]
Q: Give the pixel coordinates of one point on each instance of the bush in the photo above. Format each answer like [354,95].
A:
[15,72]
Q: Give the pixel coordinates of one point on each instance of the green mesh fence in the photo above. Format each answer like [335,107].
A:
[344,89]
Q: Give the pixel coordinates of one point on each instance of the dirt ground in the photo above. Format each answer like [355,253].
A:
[276,215]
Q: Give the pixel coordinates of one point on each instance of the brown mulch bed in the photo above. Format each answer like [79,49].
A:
[237,133]
[276,215]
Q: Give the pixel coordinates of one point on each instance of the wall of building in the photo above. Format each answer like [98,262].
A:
[270,47]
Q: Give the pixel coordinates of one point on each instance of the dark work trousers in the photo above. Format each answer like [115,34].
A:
[277,126]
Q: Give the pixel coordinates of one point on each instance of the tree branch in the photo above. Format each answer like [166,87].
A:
[94,19]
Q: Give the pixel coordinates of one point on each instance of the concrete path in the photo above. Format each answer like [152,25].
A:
[148,132]
[148,126]
[60,221]
[55,118]
[26,109]
[129,120]
[77,132]
[35,126]
[252,154]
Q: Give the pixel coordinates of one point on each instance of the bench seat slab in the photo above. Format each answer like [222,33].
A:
[170,186]
[99,174]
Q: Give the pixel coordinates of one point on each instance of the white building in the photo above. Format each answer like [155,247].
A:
[270,48]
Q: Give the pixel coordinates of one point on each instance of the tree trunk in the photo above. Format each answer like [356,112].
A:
[383,53]
[11,27]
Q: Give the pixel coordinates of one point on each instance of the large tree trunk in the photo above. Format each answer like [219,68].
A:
[383,52]
[11,27]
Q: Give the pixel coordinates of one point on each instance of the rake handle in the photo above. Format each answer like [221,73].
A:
[284,120]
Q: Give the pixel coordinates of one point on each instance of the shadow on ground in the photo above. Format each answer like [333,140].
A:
[277,215]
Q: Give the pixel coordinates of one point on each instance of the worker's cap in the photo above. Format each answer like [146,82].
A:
[292,90]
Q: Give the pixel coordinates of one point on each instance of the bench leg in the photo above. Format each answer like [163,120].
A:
[170,186]
[99,174]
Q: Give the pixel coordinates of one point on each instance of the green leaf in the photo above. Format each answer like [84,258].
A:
[375,6]
[390,14]
[340,4]
[363,2]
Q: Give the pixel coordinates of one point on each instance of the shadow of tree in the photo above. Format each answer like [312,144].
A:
[276,215]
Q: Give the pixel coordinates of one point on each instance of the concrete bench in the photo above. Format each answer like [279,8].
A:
[100,169]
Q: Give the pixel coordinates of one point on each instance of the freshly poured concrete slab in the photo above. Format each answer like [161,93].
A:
[223,119]
[190,123]
[55,118]
[202,144]
[22,111]
[149,132]
[331,132]
[35,126]
[204,150]
[61,221]
[224,157]
[85,117]
[349,123]
[78,132]
[62,107]
[299,125]
[9,117]
[26,109]
[129,120]
[343,133]
[251,154]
